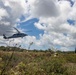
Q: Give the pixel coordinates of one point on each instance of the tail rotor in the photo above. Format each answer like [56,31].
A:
[4,36]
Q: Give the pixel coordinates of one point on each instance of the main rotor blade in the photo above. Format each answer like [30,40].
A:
[16,29]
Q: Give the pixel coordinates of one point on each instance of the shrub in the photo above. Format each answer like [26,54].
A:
[54,67]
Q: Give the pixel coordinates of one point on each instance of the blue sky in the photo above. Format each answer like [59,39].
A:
[71,22]
[29,26]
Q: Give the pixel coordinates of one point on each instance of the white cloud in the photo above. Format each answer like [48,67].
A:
[10,12]
[57,30]
[44,8]
[3,12]
[40,26]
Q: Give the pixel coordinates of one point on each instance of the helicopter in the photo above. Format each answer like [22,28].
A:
[16,35]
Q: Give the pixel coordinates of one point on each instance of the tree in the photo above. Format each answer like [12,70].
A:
[30,45]
[75,49]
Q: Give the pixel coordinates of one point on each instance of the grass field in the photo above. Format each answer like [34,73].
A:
[37,63]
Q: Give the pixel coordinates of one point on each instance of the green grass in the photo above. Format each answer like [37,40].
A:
[38,63]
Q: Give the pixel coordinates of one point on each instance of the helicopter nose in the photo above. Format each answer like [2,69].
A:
[26,35]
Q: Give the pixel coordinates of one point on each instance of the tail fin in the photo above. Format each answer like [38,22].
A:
[4,36]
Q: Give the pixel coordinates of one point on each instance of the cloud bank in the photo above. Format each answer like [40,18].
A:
[52,15]
[10,12]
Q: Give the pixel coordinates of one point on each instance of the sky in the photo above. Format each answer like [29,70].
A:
[52,23]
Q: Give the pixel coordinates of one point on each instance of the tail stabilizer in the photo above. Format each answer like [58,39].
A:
[4,36]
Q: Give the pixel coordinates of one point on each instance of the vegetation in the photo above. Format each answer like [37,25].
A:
[26,62]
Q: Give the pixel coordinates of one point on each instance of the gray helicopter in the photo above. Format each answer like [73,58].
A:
[16,35]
